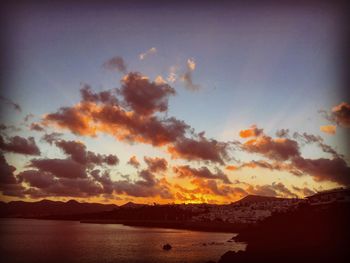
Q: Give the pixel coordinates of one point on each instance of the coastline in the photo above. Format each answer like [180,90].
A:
[187,225]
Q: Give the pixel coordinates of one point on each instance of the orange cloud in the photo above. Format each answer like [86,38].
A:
[253,131]
[231,167]
[330,129]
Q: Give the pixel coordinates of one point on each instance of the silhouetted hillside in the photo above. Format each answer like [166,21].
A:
[46,208]
[308,234]
[258,199]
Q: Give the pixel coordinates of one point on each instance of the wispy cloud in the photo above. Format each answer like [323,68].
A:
[7,101]
[115,64]
[187,76]
[149,52]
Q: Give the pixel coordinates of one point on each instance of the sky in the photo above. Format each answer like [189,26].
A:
[172,102]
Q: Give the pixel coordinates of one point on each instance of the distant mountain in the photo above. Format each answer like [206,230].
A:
[259,199]
[131,205]
[45,208]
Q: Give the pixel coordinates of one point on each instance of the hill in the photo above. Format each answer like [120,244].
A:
[259,199]
[45,208]
[307,234]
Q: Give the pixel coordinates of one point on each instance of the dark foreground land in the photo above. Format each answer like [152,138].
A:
[308,234]
[303,234]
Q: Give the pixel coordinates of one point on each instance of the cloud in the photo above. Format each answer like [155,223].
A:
[275,189]
[36,127]
[306,138]
[156,164]
[134,162]
[304,191]
[143,96]
[231,167]
[106,97]
[276,165]
[62,187]
[341,114]
[203,172]
[335,170]
[77,151]
[212,187]
[37,178]
[51,137]
[200,149]
[276,149]
[14,105]
[115,64]
[329,129]
[148,186]
[9,184]
[253,131]
[19,145]
[135,117]
[149,52]
[73,119]
[282,133]
[62,168]
[172,76]
[187,76]
[7,175]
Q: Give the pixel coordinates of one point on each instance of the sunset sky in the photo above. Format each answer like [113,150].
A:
[172,102]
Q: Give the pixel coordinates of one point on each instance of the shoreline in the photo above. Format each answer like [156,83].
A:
[185,225]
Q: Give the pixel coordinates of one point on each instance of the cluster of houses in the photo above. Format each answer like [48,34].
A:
[257,210]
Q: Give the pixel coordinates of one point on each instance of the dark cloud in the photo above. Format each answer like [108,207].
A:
[9,184]
[19,145]
[60,167]
[306,138]
[36,127]
[14,105]
[203,172]
[143,96]
[148,186]
[200,149]
[37,178]
[340,114]
[336,170]
[51,137]
[214,188]
[115,64]
[77,151]
[156,164]
[107,97]
[7,172]
[276,165]
[282,133]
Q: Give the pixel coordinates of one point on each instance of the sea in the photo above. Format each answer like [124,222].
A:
[31,240]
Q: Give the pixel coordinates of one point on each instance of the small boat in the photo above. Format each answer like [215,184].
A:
[167,247]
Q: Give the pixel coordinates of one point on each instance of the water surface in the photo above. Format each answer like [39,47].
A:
[29,240]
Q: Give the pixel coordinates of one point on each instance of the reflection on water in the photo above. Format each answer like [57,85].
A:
[26,240]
